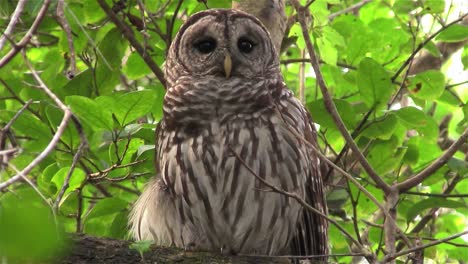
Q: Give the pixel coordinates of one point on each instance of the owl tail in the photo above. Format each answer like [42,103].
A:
[147,218]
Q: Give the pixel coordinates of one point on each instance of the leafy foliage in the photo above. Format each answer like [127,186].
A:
[402,122]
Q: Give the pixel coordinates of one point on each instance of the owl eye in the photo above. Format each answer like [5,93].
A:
[206,45]
[245,45]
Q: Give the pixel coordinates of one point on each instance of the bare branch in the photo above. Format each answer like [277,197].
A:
[414,249]
[66,182]
[71,48]
[25,40]
[465,195]
[170,27]
[13,21]
[389,227]
[429,170]
[55,139]
[26,179]
[17,114]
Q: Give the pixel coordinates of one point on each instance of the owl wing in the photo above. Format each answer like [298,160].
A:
[311,235]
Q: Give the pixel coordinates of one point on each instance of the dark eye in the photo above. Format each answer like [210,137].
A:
[245,45]
[206,45]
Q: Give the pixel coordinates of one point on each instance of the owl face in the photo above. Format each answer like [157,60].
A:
[223,43]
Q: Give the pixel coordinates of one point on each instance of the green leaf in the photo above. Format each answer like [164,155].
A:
[322,117]
[26,123]
[131,106]
[434,6]
[93,12]
[296,32]
[107,73]
[44,181]
[413,118]
[328,52]
[453,33]
[385,156]
[428,85]
[381,129]
[135,67]
[432,48]
[374,83]
[28,231]
[412,152]
[433,202]
[77,178]
[464,58]
[119,227]
[94,115]
[142,246]
[107,206]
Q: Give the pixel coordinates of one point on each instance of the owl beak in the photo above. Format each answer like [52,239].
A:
[227,65]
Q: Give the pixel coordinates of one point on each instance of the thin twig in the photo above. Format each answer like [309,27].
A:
[103,173]
[438,195]
[431,244]
[25,40]
[55,139]
[343,65]
[15,17]
[8,151]
[170,27]
[71,48]
[26,179]
[66,182]
[17,114]
[67,116]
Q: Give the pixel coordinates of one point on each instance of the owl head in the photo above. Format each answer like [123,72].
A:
[221,43]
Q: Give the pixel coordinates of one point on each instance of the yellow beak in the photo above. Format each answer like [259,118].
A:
[227,65]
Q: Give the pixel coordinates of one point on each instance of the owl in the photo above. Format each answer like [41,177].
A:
[228,118]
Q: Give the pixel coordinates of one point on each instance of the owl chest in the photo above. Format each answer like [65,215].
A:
[223,162]
[213,178]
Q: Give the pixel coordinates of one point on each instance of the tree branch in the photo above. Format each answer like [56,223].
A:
[414,249]
[128,33]
[421,176]
[25,40]
[12,24]
[71,48]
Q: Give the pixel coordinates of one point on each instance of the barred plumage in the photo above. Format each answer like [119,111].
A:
[205,198]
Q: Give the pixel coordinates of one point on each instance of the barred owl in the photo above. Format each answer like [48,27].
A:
[228,116]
